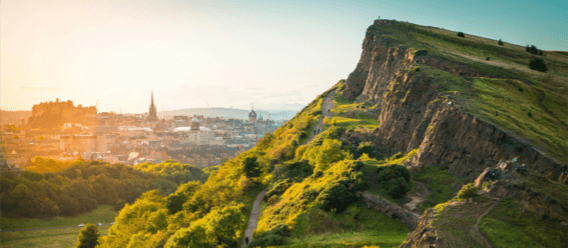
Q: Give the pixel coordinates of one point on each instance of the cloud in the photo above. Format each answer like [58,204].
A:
[39,87]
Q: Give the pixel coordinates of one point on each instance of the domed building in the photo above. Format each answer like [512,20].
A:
[252,116]
[195,122]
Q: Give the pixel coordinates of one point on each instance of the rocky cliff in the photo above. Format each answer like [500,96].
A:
[426,100]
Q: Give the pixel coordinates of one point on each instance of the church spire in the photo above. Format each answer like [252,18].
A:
[152,112]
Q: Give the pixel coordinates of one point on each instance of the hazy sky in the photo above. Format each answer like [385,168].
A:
[222,53]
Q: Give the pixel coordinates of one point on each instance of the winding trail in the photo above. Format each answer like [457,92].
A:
[476,226]
[326,107]
[253,219]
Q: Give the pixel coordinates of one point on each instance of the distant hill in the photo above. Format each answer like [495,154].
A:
[230,113]
[14,117]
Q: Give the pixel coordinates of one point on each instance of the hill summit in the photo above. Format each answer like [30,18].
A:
[437,139]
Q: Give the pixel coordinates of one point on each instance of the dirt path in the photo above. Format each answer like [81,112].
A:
[326,107]
[476,226]
[253,219]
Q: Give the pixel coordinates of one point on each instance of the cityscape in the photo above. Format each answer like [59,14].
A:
[60,130]
[285,124]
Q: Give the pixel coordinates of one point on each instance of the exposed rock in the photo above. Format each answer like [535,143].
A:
[424,236]
[509,179]
[413,114]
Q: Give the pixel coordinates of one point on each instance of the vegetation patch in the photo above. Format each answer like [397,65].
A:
[357,226]
[501,234]
[103,214]
[503,96]
[64,237]
[545,232]
[440,183]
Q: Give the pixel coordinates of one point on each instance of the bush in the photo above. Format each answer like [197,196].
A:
[460,34]
[88,237]
[533,50]
[467,191]
[395,180]
[335,197]
[251,167]
[537,64]
[365,147]
[297,171]
[500,42]
[488,58]
[275,237]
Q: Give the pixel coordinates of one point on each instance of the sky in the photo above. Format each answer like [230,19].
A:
[194,54]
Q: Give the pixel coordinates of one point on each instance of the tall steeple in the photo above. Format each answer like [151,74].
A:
[152,113]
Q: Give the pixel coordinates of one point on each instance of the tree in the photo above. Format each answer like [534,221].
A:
[329,152]
[395,180]
[251,167]
[500,42]
[537,64]
[88,237]
[460,34]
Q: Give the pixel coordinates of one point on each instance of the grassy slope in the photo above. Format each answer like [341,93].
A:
[356,227]
[440,183]
[65,237]
[103,214]
[508,67]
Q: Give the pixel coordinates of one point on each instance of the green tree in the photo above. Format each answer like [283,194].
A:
[251,167]
[395,180]
[88,237]
[500,42]
[329,152]
[537,64]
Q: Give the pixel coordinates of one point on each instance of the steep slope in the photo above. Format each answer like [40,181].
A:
[499,108]
[419,99]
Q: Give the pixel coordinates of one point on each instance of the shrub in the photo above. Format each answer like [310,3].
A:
[500,42]
[395,180]
[467,191]
[335,197]
[533,50]
[251,167]
[275,237]
[297,171]
[488,58]
[365,147]
[537,64]
[88,237]
[460,34]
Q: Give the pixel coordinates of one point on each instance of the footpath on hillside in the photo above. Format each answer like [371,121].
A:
[326,107]
[253,219]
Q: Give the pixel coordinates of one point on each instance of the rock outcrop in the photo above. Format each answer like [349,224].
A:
[508,180]
[414,114]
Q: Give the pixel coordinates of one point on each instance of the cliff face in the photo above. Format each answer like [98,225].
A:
[415,109]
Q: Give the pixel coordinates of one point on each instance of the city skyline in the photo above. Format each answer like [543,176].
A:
[224,54]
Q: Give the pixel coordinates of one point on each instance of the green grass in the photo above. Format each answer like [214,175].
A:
[355,227]
[103,214]
[501,234]
[545,232]
[440,183]
[453,223]
[65,237]
[513,106]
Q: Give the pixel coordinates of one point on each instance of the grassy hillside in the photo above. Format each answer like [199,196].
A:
[530,104]
[65,237]
[312,181]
